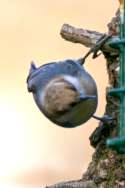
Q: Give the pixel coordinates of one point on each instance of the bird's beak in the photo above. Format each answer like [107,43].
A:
[86,97]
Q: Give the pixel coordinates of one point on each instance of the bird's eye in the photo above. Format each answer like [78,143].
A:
[73,104]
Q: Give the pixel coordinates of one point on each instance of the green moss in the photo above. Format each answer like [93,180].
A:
[111,177]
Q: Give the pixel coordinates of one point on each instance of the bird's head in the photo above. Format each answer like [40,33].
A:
[61,94]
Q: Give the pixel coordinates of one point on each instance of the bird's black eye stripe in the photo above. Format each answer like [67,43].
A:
[60,112]
[73,104]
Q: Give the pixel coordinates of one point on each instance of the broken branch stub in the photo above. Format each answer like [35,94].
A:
[87,38]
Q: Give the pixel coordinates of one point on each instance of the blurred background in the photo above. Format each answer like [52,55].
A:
[33,151]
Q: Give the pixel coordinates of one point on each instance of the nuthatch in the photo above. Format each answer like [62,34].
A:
[64,92]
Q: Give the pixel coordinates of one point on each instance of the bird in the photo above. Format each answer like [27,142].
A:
[64,92]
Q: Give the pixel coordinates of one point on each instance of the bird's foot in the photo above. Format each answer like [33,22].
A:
[103,130]
[105,119]
[96,48]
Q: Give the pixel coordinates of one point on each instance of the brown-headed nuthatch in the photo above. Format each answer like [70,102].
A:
[64,92]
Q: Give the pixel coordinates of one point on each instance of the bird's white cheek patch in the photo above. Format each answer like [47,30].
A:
[74,81]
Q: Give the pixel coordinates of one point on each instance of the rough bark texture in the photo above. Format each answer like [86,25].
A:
[85,37]
[107,169]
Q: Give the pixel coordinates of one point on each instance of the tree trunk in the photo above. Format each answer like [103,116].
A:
[107,169]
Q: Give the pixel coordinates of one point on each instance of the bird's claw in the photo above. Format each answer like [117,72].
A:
[96,48]
[95,55]
[105,119]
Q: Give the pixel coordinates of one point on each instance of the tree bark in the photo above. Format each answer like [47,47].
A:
[107,168]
